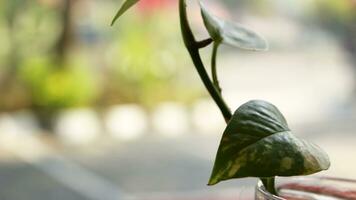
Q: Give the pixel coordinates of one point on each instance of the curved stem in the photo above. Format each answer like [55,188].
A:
[213,67]
[214,90]
[193,49]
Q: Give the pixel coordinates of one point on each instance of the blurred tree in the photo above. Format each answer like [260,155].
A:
[11,9]
[9,85]
[41,70]
[66,36]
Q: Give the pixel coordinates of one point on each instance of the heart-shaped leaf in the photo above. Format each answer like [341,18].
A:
[258,143]
[233,34]
[125,6]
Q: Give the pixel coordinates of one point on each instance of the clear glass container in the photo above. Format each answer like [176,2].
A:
[309,188]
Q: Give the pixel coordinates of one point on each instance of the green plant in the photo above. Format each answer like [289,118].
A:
[257,141]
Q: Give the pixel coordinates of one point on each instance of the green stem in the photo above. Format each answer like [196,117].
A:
[213,67]
[213,88]
[193,49]
[269,184]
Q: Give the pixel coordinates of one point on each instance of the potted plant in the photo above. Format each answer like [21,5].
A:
[257,141]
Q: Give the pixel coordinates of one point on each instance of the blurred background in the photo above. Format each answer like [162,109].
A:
[89,111]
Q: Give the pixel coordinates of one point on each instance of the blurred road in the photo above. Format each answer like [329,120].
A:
[149,168]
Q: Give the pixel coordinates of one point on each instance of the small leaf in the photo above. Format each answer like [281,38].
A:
[231,33]
[125,6]
[258,143]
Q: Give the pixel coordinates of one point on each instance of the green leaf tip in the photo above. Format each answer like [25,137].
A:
[257,142]
[125,6]
[232,34]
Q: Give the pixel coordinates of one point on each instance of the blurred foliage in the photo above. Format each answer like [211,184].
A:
[141,60]
[56,87]
[28,28]
[150,60]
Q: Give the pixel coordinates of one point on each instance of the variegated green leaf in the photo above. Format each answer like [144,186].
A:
[258,143]
[233,34]
[125,6]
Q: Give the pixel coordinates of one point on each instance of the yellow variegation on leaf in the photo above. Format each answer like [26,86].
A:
[258,143]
